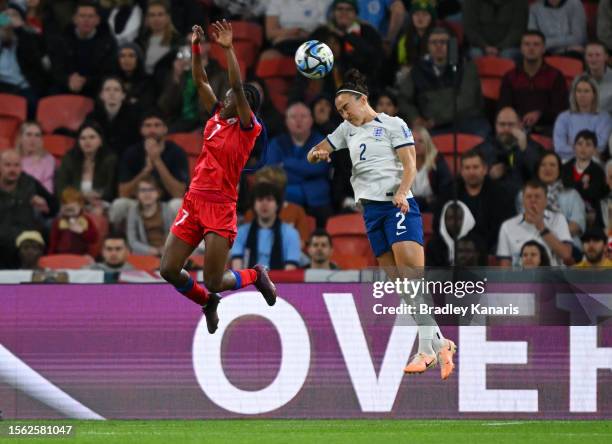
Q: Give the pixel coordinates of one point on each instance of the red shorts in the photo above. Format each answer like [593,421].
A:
[199,216]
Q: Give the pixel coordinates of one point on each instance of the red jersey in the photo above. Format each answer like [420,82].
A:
[225,151]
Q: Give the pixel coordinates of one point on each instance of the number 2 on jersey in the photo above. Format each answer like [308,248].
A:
[363,150]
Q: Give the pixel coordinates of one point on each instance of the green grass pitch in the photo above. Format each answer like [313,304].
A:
[325,431]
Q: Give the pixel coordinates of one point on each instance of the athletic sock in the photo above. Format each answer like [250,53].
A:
[244,278]
[426,336]
[194,291]
[438,339]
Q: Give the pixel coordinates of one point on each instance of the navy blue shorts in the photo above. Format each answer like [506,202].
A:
[386,225]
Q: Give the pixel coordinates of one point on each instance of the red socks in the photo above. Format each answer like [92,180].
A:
[194,292]
[244,278]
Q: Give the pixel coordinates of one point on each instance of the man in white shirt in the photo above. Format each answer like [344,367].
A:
[535,223]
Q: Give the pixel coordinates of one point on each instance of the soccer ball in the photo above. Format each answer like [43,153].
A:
[314,59]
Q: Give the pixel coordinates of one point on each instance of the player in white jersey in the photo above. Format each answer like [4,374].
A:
[384,166]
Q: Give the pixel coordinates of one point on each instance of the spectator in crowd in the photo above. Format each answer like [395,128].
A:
[433,174]
[594,245]
[325,119]
[179,100]
[21,68]
[186,13]
[266,240]
[246,10]
[412,44]
[159,40]
[360,43]
[25,204]
[533,255]
[606,203]
[308,184]
[117,118]
[535,223]
[89,167]
[596,58]
[34,15]
[386,102]
[130,70]
[536,90]
[426,97]
[290,213]
[387,16]
[35,160]
[488,202]
[494,27]
[289,23]
[561,199]
[30,248]
[84,53]
[563,22]
[115,253]
[124,19]
[585,175]
[73,231]
[510,154]
[57,16]
[471,252]
[320,251]
[456,222]
[584,114]
[604,23]
[155,156]
[149,222]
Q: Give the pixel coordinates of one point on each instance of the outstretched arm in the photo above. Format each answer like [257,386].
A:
[205,92]
[223,36]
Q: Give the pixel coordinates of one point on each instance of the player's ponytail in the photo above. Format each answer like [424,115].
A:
[355,83]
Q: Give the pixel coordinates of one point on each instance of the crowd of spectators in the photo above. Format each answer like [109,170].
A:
[510,197]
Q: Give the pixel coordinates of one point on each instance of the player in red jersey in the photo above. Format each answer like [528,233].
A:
[209,207]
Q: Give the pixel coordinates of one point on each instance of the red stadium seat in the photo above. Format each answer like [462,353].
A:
[278,74]
[465,142]
[349,261]
[63,111]
[13,105]
[57,144]
[545,141]
[5,143]
[248,31]
[354,245]
[312,224]
[346,224]
[590,10]
[244,53]
[144,262]
[427,226]
[101,223]
[495,67]
[490,88]
[450,161]
[568,66]
[60,261]
[190,142]
[9,126]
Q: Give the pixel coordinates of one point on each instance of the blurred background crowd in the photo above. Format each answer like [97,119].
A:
[100,128]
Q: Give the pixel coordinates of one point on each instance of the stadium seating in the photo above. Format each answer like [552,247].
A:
[58,145]
[346,224]
[9,126]
[248,39]
[568,66]
[450,161]
[65,261]
[491,70]
[465,142]
[348,233]
[545,141]
[278,74]
[427,226]
[350,261]
[590,10]
[13,105]
[102,225]
[143,262]
[63,111]
[5,143]
[312,223]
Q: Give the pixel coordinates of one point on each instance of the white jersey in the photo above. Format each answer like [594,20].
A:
[377,170]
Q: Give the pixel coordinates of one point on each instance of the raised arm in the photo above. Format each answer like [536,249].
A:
[205,92]
[320,151]
[223,36]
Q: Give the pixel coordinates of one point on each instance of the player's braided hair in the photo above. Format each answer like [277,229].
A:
[354,81]
[253,97]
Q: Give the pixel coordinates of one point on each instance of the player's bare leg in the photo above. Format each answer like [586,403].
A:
[175,255]
[218,279]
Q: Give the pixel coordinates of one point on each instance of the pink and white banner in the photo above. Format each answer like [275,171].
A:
[142,351]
